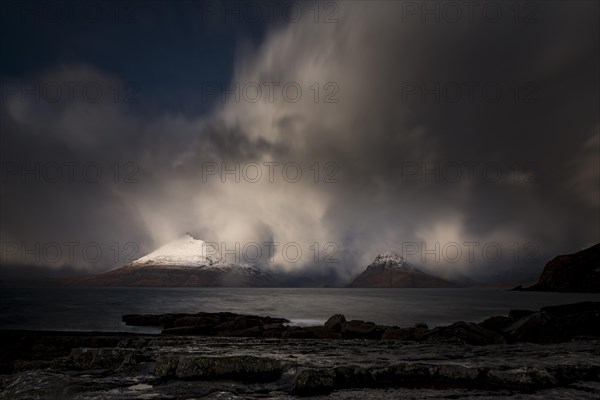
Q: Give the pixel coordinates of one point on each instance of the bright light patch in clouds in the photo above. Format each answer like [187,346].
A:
[370,135]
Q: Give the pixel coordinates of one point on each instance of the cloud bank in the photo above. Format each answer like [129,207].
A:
[446,141]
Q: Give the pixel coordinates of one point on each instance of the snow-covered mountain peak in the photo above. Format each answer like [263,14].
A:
[186,251]
[392,260]
[189,252]
[186,261]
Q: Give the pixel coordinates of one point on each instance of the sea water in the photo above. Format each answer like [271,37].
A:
[100,309]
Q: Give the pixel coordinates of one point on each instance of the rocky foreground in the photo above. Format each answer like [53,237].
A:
[552,353]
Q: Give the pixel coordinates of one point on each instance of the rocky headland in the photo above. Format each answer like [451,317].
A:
[577,272]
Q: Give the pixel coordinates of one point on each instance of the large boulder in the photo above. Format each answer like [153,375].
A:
[335,322]
[518,314]
[535,328]
[585,323]
[464,333]
[578,319]
[297,332]
[163,320]
[574,308]
[200,330]
[273,330]
[191,321]
[497,324]
[245,322]
[358,329]
[324,333]
[416,333]
[397,334]
[255,331]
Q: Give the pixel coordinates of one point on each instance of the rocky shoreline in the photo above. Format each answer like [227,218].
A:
[553,353]
[553,324]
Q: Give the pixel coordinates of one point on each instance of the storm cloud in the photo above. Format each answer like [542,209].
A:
[413,132]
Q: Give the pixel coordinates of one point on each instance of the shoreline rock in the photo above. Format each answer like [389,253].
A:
[553,324]
[173,367]
[553,350]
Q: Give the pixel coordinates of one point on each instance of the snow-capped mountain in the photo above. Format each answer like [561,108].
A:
[186,261]
[185,251]
[392,260]
[390,270]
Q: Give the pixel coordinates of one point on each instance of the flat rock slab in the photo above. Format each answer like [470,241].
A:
[166,367]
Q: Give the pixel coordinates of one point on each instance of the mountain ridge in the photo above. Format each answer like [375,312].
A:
[390,270]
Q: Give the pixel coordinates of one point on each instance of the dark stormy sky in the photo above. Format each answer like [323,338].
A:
[464,136]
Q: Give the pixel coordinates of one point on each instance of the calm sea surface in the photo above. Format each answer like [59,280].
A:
[100,309]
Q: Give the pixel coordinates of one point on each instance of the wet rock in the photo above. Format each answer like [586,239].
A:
[518,314]
[171,367]
[243,322]
[416,333]
[454,374]
[273,330]
[255,331]
[324,333]
[335,322]
[224,327]
[267,327]
[397,334]
[272,320]
[141,320]
[358,329]
[581,324]
[535,328]
[521,377]
[497,324]
[220,321]
[464,333]
[244,368]
[573,320]
[202,330]
[313,381]
[419,331]
[191,321]
[162,320]
[90,358]
[166,366]
[298,333]
[569,309]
